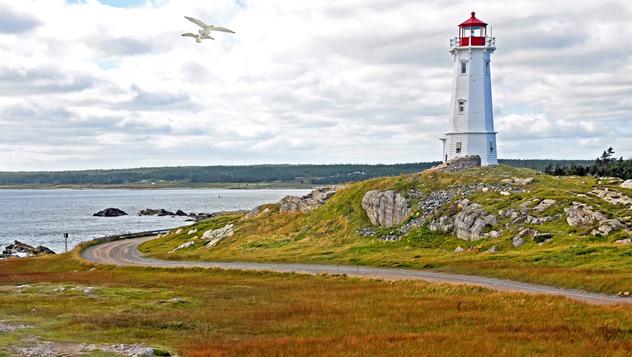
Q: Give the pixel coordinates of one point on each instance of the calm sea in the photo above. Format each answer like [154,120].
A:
[40,217]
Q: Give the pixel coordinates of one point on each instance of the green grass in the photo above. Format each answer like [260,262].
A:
[330,234]
[259,313]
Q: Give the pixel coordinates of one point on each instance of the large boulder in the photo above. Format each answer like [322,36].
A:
[385,208]
[582,215]
[579,214]
[626,184]
[307,203]
[214,236]
[458,164]
[110,212]
[471,221]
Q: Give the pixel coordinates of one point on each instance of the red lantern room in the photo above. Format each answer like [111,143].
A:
[472,32]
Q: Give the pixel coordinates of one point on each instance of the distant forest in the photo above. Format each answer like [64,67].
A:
[605,165]
[308,174]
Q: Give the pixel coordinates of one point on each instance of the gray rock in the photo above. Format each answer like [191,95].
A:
[493,234]
[470,222]
[579,214]
[518,181]
[544,205]
[491,250]
[626,184]
[518,240]
[624,241]
[606,227]
[444,224]
[215,236]
[385,208]
[183,246]
[459,250]
[457,164]
[309,202]
[612,196]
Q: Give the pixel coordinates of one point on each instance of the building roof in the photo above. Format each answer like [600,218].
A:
[473,22]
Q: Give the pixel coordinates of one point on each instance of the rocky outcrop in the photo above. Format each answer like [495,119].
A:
[215,236]
[19,249]
[612,196]
[183,246]
[582,215]
[579,214]
[385,208]
[443,224]
[309,202]
[471,221]
[457,164]
[110,212]
[626,184]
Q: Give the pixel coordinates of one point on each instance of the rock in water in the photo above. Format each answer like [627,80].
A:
[626,184]
[157,212]
[19,249]
[385,208]
[110,212]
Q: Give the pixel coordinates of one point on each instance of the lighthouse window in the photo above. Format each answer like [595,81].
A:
[491,146]
[458,148]
[463,67]
[461,106]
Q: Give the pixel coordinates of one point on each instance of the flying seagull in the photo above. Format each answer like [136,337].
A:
[206,29]
[198,37]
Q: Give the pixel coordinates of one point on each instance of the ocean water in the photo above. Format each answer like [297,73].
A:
[40,217]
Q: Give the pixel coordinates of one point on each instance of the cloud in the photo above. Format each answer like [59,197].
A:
[311,81]
[15,22]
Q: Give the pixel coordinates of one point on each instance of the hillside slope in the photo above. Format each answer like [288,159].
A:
[525,240]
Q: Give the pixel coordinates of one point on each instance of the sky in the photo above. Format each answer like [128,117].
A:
[112,84]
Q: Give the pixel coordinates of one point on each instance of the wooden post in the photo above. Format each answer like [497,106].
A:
[66,241]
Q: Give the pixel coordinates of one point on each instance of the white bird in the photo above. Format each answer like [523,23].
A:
[206,29]
[198,37]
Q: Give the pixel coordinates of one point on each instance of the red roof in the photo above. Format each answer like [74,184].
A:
[473,22]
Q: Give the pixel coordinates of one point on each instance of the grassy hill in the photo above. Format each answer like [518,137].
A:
[330,234]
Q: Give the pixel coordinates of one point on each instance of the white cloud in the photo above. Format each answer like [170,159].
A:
[88,85]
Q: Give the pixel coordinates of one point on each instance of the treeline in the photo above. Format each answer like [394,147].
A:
[605,165]
[315,174]
[309,174]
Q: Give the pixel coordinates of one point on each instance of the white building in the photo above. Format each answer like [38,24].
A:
[471,127]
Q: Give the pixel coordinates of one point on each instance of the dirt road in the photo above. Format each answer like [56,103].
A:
[125,252]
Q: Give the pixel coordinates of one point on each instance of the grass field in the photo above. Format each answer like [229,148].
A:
[574,258]
[239,313]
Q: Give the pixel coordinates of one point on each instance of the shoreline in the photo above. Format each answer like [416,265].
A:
[142,186]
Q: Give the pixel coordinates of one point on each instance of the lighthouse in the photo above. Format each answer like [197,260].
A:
[471,117]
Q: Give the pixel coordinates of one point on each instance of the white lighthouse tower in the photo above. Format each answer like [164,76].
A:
[471,127]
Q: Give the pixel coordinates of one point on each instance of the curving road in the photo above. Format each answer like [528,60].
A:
[125,252]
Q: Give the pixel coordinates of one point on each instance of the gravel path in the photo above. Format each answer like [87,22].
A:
[125,252]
